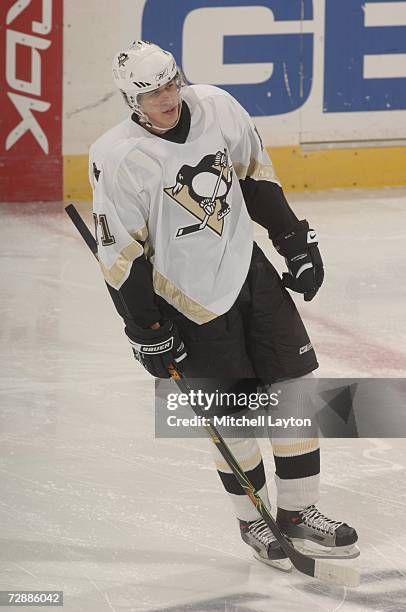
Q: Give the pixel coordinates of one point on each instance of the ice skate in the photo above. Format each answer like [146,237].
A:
[266,548]
[315,535]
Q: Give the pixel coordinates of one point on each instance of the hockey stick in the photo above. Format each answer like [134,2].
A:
[328,572]
[196,227]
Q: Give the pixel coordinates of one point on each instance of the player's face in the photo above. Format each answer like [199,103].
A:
[162,106]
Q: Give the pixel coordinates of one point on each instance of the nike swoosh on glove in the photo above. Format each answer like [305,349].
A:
[299,247]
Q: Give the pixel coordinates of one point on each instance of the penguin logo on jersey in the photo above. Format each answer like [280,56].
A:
[203,190]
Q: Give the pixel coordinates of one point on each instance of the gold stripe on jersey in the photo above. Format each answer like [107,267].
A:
[255,170]
[141,234]
[118,271]
[296,448]
[179,300]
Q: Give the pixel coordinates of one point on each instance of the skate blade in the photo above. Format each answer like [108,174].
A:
[283,565]
[311,549]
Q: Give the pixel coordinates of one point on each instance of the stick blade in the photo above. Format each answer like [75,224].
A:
[336,574]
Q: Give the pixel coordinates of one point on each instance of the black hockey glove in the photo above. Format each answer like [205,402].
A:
[299,248]
[156,349]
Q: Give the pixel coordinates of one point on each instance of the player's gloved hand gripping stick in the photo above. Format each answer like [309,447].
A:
[328,572]
[157,349]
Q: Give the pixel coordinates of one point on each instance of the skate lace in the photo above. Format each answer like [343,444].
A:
[313,518]
[260,530]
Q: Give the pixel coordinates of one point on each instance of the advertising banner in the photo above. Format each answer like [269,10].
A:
[31,100]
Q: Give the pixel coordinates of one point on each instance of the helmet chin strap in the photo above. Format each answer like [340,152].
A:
[146,122]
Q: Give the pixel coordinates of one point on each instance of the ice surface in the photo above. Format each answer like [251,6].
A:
[92,504]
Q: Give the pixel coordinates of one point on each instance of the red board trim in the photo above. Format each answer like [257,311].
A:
[31,69]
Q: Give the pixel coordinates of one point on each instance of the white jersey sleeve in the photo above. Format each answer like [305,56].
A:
[250,158]
[121,214]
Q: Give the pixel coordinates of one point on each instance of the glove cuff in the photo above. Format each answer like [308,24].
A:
[137,334]
[295,239]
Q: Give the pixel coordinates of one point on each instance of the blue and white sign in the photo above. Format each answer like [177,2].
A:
[326,66]
[282,61]
[365,58]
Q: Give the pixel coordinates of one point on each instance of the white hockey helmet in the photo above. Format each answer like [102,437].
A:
[142,68]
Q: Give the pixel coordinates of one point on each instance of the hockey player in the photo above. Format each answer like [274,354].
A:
[176,187]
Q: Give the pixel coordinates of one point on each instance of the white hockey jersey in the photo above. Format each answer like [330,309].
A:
[183,202]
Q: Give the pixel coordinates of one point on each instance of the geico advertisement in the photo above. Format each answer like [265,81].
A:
[330,69]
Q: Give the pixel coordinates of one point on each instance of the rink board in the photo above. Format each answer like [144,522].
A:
[31,73]
[326,87]
[324,81]
[297,170]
